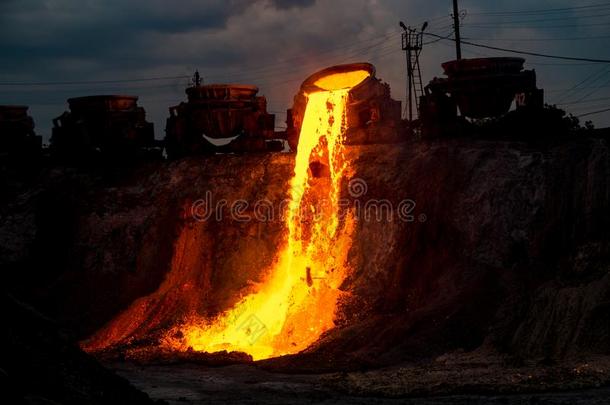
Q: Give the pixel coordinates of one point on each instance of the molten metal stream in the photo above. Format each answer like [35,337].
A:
[297,301]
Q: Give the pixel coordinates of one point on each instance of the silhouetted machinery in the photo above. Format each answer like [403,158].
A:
[112,125]
[372,116]
[17,136]
[480,88]
[220,118]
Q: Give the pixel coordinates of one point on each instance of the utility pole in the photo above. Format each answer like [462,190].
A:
[412,41]
[409,81]
[456,27]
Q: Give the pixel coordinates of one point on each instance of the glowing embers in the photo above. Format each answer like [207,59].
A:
[297,301]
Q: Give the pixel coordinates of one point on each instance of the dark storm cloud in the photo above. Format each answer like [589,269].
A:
[283,4]
[271,43]
[40,33]
[47,35]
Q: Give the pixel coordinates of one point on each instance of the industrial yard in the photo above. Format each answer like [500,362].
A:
[390,223]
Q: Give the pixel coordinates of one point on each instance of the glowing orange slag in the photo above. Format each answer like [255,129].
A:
[297,301]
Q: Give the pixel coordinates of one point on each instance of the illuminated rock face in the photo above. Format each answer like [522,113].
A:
[511,232]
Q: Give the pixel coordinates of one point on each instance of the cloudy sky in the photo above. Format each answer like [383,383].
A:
[275,44]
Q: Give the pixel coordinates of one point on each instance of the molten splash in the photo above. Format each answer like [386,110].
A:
[297,302]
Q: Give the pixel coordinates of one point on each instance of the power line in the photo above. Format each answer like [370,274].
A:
[499,24]
[275,70]
[445,27]
[582,108]
[146,79]
[546,10]
[538,39]
[289,62]
[437,18]
[542,55]
[567,64]
[593,77]
[448,36]
[593,100]
[278,70]
[593,112]
[563,90]
[545,19]
[386,47]
[316,62]
[581,99]
[468,51]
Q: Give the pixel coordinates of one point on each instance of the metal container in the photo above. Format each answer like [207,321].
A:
[17,136]
[482,66]
[484,87]
[221,93]
[13,112]
[219,111]
[369,103]
[111,124]
[102,103]
[309,86]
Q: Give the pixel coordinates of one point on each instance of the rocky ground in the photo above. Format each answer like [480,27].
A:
[455,378]
[506,247]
